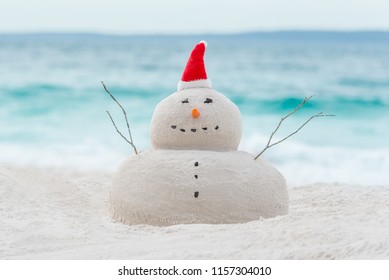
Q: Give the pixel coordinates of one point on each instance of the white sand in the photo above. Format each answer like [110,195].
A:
[64,215]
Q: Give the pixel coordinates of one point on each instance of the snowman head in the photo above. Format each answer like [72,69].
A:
[196,117]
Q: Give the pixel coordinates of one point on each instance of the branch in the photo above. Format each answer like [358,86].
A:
[268,145]
[131,142]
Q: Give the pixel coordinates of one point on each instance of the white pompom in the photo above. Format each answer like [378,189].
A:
[204,42]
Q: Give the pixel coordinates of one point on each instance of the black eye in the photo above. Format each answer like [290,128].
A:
[185,100]
[208,100]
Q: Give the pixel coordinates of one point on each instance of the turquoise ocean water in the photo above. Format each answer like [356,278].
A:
[52,106]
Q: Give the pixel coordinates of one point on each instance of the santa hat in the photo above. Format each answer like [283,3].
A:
[194,75]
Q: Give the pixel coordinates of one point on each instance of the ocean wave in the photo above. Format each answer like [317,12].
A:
[333,105]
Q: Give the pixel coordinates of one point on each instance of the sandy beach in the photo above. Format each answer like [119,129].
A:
[62,214]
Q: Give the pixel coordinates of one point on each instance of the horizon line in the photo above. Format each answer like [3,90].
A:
[145,34]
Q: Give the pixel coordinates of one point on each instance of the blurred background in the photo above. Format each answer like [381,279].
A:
[266,57]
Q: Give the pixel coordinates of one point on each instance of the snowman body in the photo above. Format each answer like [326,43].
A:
[194,173]
[166,187]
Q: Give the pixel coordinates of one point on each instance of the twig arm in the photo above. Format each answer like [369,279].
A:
[306,99]
[113,122]
[269,144]
[131,142]
[298,129]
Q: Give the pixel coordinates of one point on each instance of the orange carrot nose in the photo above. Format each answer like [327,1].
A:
[195,113]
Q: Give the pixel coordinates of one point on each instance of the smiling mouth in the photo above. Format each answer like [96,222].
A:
[192,129]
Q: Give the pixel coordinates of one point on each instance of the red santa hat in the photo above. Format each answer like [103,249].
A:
[194,75]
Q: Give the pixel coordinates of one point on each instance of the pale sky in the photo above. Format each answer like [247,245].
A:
[188,16]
